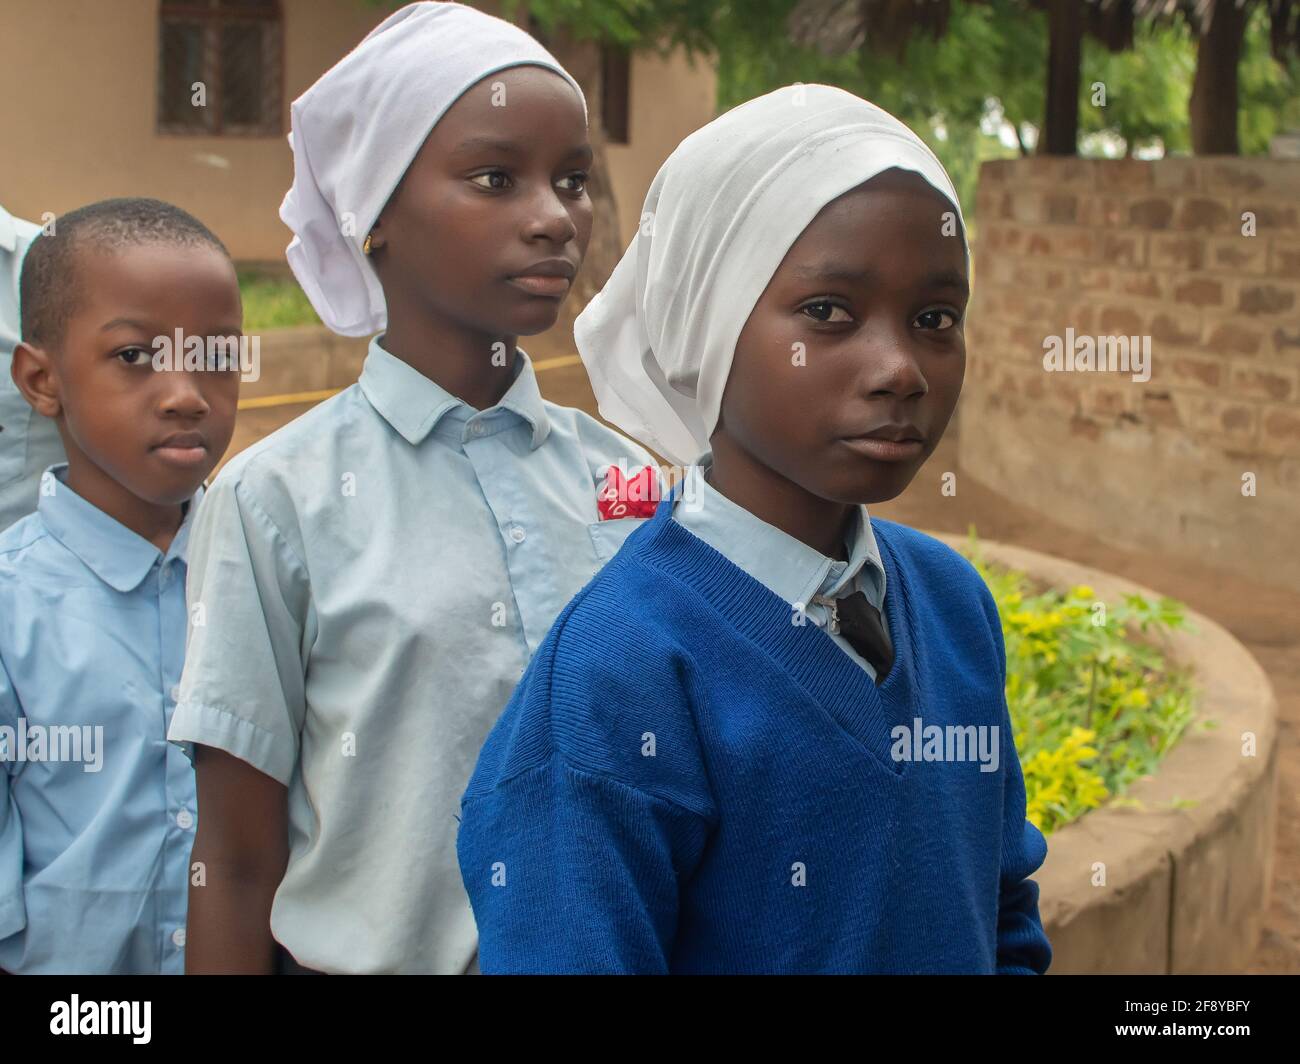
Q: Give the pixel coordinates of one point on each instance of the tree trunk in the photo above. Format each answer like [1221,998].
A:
[1065,46]
[1213,109]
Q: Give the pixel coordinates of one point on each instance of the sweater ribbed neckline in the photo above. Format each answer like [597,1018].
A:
[807,653]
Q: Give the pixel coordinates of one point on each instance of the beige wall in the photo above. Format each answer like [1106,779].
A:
[1156,250]
[668,99]
[79,85]
[78,123]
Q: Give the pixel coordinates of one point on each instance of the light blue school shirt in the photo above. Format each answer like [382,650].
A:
[367,585]
[786,566]
[29,443]
[93,864]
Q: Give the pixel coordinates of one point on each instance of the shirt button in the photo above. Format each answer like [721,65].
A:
[176,694]
[476,428]
[517,533]
[178,937]
[184,820]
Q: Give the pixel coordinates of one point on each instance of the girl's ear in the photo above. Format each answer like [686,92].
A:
[34,375]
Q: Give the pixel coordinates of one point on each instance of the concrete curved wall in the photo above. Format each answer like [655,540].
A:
[1187,871]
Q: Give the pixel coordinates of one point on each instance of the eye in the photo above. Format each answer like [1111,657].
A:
[490,175]
[824,311]
[133,356]
[580,178]
[932,319]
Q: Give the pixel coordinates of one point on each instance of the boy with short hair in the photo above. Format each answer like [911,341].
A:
[97,809]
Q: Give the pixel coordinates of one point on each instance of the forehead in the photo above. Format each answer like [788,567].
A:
[155,282]
[896,214]
[525,102]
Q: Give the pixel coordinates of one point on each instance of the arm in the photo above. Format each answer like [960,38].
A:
[574,839]
[241,708]
[241,845]
[570,872]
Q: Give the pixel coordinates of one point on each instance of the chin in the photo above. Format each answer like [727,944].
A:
[537,322]
[866,487]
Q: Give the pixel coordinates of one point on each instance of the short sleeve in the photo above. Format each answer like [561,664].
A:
[243,687]
[13,912]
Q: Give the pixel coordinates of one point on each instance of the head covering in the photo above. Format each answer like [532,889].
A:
[720,216]
[355,132]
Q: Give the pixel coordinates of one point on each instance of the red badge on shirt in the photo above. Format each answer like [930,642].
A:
[633,496]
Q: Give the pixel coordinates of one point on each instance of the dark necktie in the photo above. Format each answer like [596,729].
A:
[859,622]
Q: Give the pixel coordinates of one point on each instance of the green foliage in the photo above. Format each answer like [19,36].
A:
[273,302]
[1147,89]
[1094,703]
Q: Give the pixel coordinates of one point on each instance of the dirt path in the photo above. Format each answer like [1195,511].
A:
[1265,619]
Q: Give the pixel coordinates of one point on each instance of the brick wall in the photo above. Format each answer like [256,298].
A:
[1156,252]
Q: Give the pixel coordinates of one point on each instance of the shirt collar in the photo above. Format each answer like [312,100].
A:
[413,404]
[787,566]
[118,556]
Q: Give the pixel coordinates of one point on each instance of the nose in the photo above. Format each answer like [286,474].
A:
[548,218]
[890,366]
[182,394]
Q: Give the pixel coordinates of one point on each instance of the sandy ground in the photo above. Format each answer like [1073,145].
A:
[1265,619]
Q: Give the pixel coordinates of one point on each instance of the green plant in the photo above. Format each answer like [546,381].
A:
[1095,704]
[273,302]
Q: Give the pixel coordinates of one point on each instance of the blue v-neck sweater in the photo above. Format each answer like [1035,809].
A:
[688,780]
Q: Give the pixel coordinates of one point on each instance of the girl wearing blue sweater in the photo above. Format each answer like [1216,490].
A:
[771,735]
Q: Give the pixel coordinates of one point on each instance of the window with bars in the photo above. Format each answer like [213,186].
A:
[219,67]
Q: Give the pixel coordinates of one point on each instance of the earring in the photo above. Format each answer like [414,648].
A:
[365,248]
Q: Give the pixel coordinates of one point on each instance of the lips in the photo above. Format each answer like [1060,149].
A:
[888,443]
[184,440]
[895,433]
[550,278]
[186,449]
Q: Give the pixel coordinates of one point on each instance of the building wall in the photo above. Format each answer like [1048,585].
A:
[1154,250]
[78,123]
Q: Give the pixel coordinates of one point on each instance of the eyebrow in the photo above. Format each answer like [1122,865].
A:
[508,147]
[832,271]
[117,323]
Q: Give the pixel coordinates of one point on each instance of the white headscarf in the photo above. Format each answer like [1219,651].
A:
[355,132]
[720,216]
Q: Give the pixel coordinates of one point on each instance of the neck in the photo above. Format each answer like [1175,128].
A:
[474,367]
[156,522]
[817,522]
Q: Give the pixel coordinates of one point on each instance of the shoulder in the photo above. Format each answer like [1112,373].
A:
[602,444]
[933,570]
[18,543]
[301,439]
[939,579]
[932,556]
[612,691]
[291,467]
